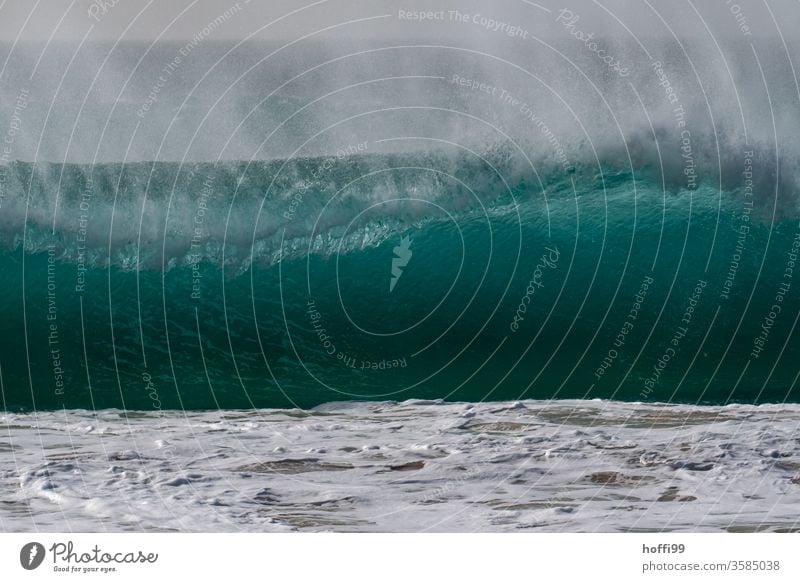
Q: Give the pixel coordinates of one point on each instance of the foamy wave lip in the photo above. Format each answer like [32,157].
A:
[164,215]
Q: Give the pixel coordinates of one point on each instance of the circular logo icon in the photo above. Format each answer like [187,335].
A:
[31,555]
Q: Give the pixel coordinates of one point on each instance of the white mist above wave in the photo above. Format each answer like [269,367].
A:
[317,98]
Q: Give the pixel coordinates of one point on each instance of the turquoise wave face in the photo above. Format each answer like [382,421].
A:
[608,287]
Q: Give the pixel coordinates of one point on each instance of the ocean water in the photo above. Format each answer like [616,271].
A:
[417,277]
[605,286]
[532,466]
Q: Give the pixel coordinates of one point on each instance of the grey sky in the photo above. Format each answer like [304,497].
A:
[182,19]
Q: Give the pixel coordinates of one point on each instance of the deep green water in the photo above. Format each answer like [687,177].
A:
[629,300]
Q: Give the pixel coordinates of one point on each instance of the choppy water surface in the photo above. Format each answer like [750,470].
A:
[411,466]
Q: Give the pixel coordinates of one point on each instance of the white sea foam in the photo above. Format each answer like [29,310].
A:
[411,466]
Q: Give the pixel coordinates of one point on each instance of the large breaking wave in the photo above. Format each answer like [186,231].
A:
[270,284]
[396,220]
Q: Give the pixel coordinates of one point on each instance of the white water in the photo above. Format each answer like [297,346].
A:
[412,466]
